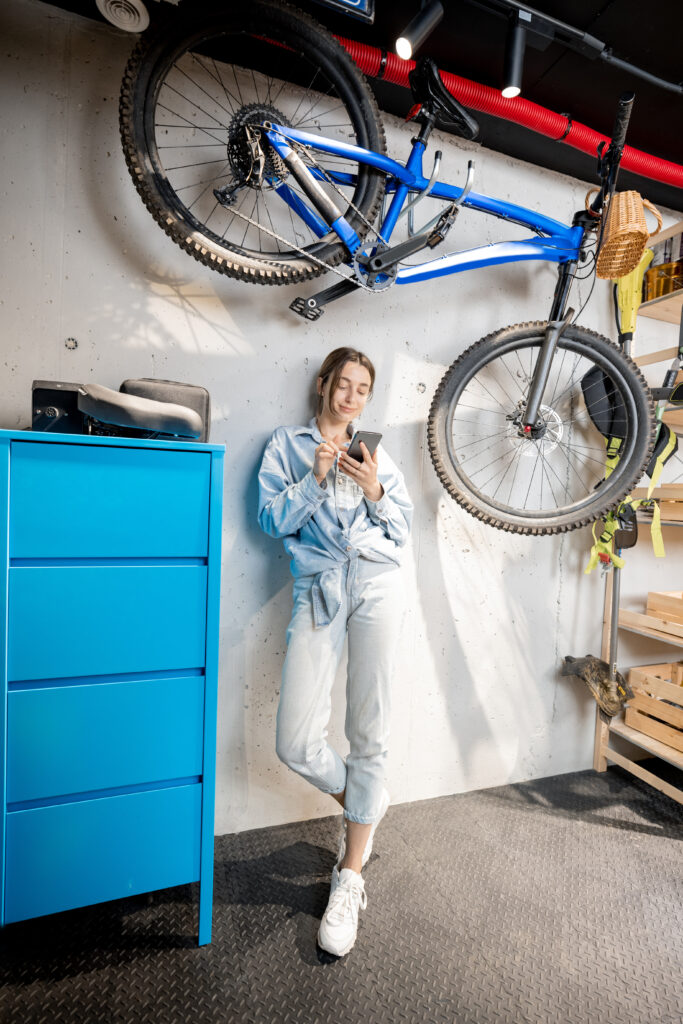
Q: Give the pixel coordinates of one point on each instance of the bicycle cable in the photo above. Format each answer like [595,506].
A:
[576,318]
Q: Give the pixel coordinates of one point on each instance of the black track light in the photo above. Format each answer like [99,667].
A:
[515,43]
[424,22]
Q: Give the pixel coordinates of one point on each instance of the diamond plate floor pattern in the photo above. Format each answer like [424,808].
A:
[548,901]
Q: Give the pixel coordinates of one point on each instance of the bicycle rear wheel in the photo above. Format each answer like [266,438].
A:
[554,480]
[189,93]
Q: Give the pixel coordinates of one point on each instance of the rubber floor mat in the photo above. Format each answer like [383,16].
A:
[559,900]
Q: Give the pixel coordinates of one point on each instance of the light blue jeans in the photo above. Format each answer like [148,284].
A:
[371,613]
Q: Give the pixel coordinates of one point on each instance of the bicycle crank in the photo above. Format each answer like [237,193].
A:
[370,268]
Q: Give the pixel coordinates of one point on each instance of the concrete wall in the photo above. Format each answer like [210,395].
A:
[477,700]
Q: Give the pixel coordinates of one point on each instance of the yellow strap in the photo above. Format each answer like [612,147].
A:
[655,525]
[604,543]
[656,531]
[661,459]
[629,293]
[612,459]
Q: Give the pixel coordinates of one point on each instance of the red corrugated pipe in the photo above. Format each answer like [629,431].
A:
[539,119]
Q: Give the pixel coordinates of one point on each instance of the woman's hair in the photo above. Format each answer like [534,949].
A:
[333,365]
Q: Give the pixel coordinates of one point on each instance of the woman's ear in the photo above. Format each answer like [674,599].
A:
[319,386]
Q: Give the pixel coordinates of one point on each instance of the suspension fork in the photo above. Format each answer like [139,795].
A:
[559,317]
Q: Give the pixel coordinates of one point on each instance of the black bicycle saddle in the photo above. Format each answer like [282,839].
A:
[429,90]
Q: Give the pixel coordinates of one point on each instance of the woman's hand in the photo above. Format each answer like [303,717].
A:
[325,455]
[364,473]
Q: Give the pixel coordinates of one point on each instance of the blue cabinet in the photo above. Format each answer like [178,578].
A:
[109,594]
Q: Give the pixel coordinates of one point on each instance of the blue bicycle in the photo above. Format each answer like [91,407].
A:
[257,145]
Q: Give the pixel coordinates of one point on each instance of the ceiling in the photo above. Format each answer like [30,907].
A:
[470,42]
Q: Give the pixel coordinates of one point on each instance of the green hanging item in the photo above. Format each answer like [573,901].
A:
[604,550]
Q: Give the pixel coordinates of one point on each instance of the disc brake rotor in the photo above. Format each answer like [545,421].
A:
[545,442]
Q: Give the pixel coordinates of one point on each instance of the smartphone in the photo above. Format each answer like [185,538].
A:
[369,438]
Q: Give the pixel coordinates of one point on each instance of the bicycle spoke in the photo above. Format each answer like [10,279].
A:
[213,210]
[213,99]
[514,379]
[228,94]
[491,396]
[307,113]
[200,163]
[192,103]
[203,192]
[237,85]
[190,124]
[514,476]
[306,93]
[487,437]
[229,97]
[253,78]
[204,181]
[559,375]
[477,408]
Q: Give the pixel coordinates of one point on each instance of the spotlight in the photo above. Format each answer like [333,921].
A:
[514,54]
[424,22]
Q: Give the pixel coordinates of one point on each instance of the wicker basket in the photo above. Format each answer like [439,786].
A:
[625,234]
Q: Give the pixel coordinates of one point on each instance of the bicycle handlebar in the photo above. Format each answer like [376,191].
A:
[610,157]
[621,120]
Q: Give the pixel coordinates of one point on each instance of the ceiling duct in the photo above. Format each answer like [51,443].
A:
[129,15]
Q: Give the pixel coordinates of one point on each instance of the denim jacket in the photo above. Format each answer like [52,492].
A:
[321,528]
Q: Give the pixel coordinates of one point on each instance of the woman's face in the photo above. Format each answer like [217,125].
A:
[351,393]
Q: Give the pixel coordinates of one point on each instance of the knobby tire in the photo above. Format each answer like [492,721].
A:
[481,394]
[187,89]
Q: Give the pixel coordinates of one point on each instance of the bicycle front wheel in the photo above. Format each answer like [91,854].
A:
[192,94]
[553,480]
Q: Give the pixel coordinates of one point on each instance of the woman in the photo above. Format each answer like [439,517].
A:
[343,523]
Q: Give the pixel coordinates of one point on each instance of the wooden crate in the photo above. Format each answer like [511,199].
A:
[670,499]
[667,604]
[657,707]
[671,511]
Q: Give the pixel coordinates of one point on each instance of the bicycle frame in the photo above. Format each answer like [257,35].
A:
[554,242]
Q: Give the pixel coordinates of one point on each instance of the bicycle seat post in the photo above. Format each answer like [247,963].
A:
[427,122]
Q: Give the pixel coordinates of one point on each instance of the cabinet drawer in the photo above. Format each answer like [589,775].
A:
[73,854]
[76,739]
[85,501]
[69,621]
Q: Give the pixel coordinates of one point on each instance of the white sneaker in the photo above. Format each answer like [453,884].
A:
[335,877]
[339,925]
[384,804]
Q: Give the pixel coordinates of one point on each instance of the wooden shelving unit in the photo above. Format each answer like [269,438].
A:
[665,632]
[668,308]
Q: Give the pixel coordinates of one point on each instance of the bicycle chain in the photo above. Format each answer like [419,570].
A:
[303,252]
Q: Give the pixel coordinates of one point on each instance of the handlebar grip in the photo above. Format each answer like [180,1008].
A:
[621,120]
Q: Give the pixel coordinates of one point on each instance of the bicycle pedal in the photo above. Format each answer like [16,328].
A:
[302,307]
[442,227]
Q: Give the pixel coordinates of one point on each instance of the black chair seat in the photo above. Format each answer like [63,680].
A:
[139,413]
